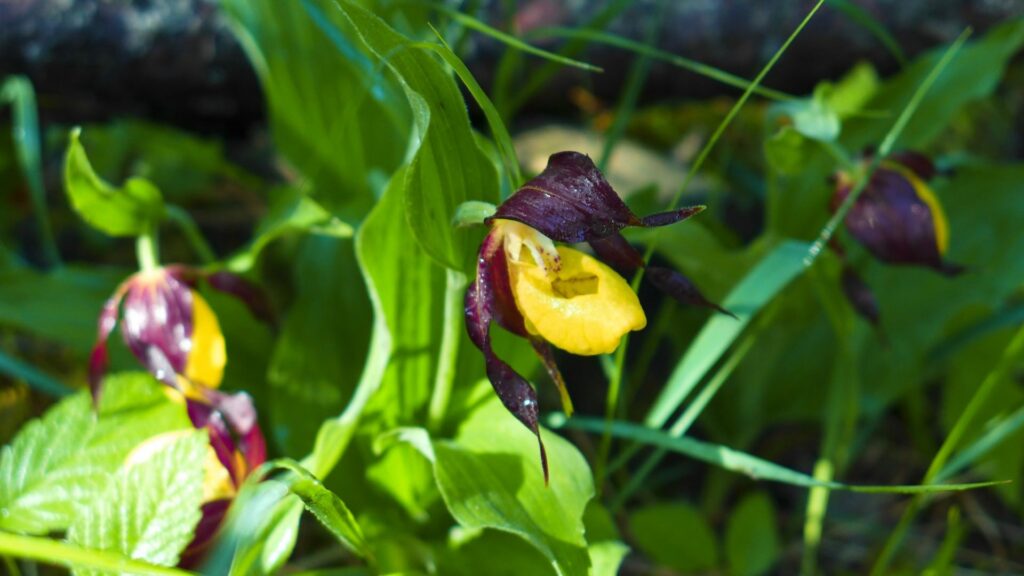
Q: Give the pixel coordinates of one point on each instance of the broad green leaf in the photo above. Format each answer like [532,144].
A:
[131,210]
[320,351]
[63,461]
[469,552]
[407,291]
[490,477]
[325,505]
[751,536]
[812,117]
[971,76]
[447,167]
[675,535]
[60,306]
[756,289]
[290,212]
[151,507]
[853,91]
[333,114]
[785,150]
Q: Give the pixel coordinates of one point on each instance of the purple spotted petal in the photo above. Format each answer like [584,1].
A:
[570,201]
[894,223]
[98,359]
[158,314]
[481,303]
[859,295]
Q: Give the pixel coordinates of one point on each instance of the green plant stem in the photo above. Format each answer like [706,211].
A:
[1011,355]
[62,554]
[610,408]
[195,238]
[146,251]
[451,332]
[839,419]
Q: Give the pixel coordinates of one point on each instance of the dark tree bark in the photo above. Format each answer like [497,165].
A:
[176,61]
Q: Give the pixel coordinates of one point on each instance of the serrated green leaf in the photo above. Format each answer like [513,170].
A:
[64,460]
[131,210]
[150,509]
[490,477]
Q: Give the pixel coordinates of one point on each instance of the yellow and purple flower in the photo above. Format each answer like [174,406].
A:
[557,295]
[898,219]
[171,329]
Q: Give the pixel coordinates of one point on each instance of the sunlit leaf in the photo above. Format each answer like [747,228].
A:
[63,461]
[133,209]
[150,508]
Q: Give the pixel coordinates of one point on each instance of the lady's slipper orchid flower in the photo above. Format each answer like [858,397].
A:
[558,295]
[174,333]
[899,219]
[170,328]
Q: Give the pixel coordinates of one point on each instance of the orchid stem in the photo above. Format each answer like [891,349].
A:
[146,250]
[195,238]
[611,406]
[455,284]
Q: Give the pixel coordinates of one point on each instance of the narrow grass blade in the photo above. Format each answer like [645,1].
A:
[757,288]
[861,17]
[514,42]
[694,66]
[18,92]
[982,446]
[742,462]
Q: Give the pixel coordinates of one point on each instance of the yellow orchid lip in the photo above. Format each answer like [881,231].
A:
[584,308]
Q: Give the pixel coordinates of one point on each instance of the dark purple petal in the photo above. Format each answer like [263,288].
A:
[513,390]
[205,416]
[860,295]
[505,311]
[158,314]
[618,253]
[213,516]
[894,223]
[916,162]
[245,291]
[570,201]
[681,288]
[547,358]
[98,358]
